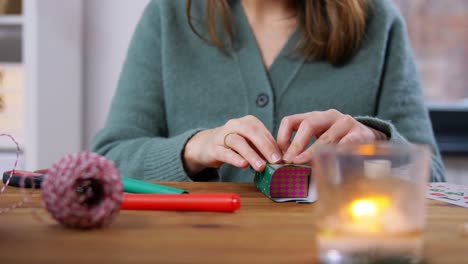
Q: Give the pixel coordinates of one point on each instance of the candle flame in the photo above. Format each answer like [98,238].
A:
[367,150]
[368,208]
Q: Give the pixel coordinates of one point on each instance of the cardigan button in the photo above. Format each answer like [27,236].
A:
[262,100]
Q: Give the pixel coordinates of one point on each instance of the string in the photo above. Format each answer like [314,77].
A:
[82,190]
[26,198]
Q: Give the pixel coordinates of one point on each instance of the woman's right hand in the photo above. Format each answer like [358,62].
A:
[239,142]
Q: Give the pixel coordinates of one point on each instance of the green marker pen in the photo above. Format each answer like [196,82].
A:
[137,186]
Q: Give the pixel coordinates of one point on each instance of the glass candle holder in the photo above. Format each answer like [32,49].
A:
[371,201]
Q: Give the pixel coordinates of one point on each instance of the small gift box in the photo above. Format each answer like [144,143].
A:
[286,182]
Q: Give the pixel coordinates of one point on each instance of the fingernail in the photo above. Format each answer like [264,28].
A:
[299,159]
[275,158]
[258,164]
[241,163]
[287,157]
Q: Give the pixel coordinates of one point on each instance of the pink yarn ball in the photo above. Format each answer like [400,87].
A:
[82,190]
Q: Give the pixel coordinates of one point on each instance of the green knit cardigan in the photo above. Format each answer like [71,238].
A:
[173,84]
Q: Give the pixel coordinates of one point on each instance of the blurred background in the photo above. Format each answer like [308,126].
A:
[60,61]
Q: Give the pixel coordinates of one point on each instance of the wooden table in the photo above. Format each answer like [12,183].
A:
[260,232]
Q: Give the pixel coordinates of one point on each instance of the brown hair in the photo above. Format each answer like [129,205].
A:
[332,30]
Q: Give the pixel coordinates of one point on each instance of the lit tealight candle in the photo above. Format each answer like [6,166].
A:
[366,214]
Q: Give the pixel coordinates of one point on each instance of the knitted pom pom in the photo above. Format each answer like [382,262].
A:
[82,190]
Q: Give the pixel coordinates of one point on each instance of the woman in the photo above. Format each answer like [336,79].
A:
[212,87]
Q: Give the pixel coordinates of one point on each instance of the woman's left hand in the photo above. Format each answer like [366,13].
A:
[329,127]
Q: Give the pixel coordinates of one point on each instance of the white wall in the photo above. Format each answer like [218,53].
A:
[107,27]
[52,53]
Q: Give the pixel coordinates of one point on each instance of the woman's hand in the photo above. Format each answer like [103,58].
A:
[329,127]
[239,142]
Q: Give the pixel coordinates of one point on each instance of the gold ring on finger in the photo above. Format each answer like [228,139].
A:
[225,139]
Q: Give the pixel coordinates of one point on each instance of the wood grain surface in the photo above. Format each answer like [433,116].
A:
[260,232]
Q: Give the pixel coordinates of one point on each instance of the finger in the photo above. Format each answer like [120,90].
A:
[224,155]
[357,137]
[300,142]
[255,132]
[315,123]
[306,157]
[338,130]
[333,135]
[351,138]
[287,126]
[240,145]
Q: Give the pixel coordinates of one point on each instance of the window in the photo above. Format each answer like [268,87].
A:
[438,31]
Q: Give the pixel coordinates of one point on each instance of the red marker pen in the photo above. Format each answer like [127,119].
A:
[222,202]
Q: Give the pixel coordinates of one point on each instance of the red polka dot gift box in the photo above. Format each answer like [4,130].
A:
[286,182]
